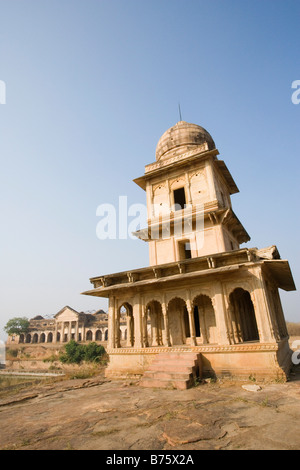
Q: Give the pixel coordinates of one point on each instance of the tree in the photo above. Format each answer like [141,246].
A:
[17,326]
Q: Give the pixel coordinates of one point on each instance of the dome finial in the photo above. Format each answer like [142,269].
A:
[180,117]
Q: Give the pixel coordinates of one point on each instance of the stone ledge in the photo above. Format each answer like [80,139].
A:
[200,349]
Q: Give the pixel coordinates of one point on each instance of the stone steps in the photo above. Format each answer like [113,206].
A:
[173,370]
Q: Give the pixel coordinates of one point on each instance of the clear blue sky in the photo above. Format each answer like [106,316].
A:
[91,85]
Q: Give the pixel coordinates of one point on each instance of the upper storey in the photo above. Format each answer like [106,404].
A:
[186,171]
[188,176]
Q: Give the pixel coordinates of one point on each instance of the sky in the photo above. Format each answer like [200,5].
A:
[90,87]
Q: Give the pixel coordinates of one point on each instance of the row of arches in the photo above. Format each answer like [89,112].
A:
[178,324]
[49,337]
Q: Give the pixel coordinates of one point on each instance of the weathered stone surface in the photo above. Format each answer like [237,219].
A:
[251,388]
[101,414]
[182,432]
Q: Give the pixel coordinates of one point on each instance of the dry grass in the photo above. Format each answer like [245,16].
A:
[293,328]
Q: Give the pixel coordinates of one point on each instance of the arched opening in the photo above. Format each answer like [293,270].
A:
[243,316]
[178,321]
[154,312]
[196,322]
[58,336]
[106,335]
[21,338]
[50,338]
[28,338]
[35,338]
[89,335]
[186,323]
[98,335]
[205,320]
[42,338]
[126,311]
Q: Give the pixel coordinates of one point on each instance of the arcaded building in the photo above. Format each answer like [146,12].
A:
[213,307]
[67,325]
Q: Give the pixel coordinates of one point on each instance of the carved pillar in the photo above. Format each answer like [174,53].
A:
[137,315]
[166,331]
[144,324]
[202,322]
[111,323]
[261,308]
[153,318]
[117,329]
[190,310]
[129,328]
[219,307]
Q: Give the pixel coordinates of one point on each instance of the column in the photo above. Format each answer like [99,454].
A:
[166,331]
[111,323]
[154,332]
[62,332]
[117,329]
[55,333]
[69,330]
[218,303]
[76,331]
[191,322]
[202,322]
[128,326]
[137,314]
[144,326]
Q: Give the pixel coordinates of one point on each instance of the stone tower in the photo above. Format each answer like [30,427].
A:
[203,298]
[188,193]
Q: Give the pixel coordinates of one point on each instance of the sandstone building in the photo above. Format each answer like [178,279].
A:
[68,324]
[213,307]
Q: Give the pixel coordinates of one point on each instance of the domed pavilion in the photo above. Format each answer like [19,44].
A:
[205,306]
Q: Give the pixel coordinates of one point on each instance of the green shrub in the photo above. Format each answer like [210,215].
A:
[76,353]
[12,352]
[93,352]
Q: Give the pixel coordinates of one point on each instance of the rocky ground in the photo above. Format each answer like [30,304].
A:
[97,413]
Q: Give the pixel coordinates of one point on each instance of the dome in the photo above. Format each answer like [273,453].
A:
[181,138]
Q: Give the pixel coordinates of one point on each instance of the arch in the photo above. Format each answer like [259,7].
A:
[98,336]
[35,338]
[42,338]
[21,338]
[50,337]
[28,338]
[154,311]
[178,320]
[58,337]
[106,335]
[243,316]
[205,320]
[186,320]
[89,335]
[126,308]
